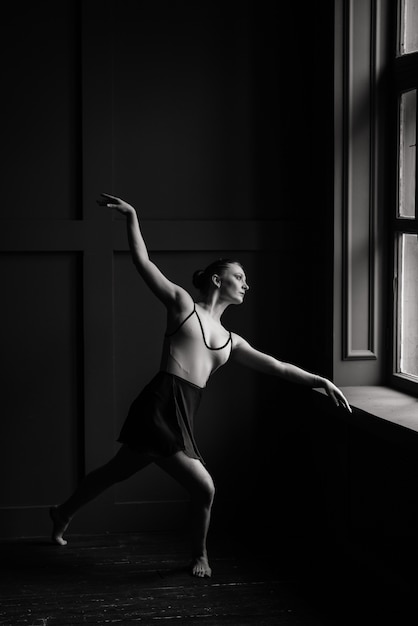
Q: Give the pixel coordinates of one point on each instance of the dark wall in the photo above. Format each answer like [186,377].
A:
[215,120]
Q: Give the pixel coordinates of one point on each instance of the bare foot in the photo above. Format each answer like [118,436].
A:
[200,567]
[59,526]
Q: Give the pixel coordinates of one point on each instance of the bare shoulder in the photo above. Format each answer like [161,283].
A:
[182,302]
[239,342]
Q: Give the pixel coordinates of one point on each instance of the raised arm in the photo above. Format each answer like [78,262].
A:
[245,354]
[168,292]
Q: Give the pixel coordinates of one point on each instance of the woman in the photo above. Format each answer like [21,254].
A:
[159,425]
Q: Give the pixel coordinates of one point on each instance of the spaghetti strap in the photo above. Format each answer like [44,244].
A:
[203,334]
[186,352]
[181,323]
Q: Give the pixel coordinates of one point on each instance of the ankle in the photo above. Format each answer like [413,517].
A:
[62,514]
[200,554]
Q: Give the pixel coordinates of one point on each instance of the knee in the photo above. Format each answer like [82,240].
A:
[206,493]
[211,494]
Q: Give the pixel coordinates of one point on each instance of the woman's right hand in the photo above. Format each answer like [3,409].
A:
[112,202]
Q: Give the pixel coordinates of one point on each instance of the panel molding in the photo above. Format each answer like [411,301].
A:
[359,211]
[212,235]
[101,234]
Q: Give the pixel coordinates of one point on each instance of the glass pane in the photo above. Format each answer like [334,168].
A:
[409,26]
[407,153]
[408,305]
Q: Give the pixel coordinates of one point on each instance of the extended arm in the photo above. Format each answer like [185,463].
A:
[167,291]
[245,354]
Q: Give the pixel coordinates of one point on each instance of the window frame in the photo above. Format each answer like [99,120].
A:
[404,77]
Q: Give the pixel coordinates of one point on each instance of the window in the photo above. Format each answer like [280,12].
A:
[408,27]
[404,237]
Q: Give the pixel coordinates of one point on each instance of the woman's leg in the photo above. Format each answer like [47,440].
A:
[192,475]
[124,464]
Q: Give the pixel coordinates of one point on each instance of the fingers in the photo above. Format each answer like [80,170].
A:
[107,195]
[106,204]
[104,201]
[347,406]
[339,399]
[343,402]
[333,397]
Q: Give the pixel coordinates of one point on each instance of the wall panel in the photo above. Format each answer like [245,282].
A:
[40,120]
[182,124]
[40,438]
[359,219]
[360,199]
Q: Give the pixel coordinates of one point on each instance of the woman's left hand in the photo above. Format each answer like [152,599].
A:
[336,395]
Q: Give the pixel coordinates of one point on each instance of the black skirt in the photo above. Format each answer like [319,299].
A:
[160,419]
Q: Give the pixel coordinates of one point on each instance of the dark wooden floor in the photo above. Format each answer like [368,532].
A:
[142,579]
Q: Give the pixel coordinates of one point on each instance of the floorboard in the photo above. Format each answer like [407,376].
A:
[144,579]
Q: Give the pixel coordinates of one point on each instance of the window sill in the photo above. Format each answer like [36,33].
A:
[387,410]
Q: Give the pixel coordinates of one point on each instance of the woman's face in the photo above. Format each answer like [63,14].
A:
[233,283]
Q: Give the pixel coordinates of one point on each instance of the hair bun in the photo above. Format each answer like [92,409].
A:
[198,279]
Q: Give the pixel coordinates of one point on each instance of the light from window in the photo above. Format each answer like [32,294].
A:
[408,304]
[404,222]
[409,26]
[407,153]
